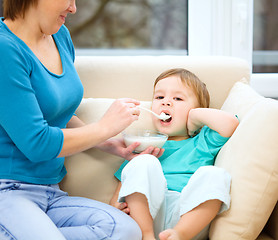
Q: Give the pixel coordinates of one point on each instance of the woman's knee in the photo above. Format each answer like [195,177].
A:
[129,230]
[123,226]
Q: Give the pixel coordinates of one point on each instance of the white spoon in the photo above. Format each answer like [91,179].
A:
[163,116]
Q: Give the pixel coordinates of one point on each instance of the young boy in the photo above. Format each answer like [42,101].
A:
[177,196]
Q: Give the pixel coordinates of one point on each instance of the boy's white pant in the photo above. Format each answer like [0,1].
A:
[144,174]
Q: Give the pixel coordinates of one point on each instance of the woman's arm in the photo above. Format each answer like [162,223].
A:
[116,146]
[75,122]
[222,122]
[119,116]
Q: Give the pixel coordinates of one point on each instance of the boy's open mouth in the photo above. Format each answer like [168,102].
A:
[169,119]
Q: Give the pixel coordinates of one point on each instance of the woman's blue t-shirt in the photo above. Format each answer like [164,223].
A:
[35,105]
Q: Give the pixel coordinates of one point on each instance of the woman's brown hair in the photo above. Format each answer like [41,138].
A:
[16,8]
[191,80]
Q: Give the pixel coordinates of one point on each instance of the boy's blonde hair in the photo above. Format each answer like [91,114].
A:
[192,81]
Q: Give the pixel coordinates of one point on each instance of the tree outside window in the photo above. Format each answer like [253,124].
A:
[129,24]
[265,56]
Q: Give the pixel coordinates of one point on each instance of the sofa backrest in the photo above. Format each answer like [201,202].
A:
[133,76]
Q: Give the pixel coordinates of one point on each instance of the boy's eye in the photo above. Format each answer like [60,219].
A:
[159,97]
[178,99]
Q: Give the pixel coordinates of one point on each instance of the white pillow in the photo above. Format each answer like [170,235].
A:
[251,157]
[241,99]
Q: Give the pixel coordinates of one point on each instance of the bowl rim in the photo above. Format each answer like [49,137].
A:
[133,132]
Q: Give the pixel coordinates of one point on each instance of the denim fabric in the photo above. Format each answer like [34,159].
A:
[44,212]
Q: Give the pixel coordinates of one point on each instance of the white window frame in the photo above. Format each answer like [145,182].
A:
[225,27]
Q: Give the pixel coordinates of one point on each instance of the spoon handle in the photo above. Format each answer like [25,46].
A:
[146,109]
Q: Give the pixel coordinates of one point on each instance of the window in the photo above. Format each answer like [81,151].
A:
[229,30]
[134,26]
[145,25]
[265,54]
[218,27]
[239,28]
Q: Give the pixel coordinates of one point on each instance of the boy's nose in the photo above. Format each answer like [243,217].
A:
[167,103]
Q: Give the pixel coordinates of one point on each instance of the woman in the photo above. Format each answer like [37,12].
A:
[39,92]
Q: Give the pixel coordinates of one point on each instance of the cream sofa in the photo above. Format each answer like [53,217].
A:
[250,155]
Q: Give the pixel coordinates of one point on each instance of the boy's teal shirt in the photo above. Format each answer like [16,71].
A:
[182,158]
[35,105]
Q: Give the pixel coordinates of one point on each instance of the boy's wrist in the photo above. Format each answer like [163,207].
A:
[193,122]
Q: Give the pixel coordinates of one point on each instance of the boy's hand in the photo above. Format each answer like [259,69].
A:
[122,206]
[157,152]
[220,121]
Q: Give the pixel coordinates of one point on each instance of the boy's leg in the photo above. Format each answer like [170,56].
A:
[139,211]
[192,222]
[143,188]
[206,194]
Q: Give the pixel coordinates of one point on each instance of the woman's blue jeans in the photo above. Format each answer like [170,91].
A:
[44,212]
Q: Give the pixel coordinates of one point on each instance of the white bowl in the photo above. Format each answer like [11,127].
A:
[147,138]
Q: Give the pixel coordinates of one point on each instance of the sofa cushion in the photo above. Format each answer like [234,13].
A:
[251,157]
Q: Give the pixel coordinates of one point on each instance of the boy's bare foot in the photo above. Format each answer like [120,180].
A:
[169,234]
[148,236]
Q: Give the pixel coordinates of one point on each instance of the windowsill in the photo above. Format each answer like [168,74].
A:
[265,84]
[128,52]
